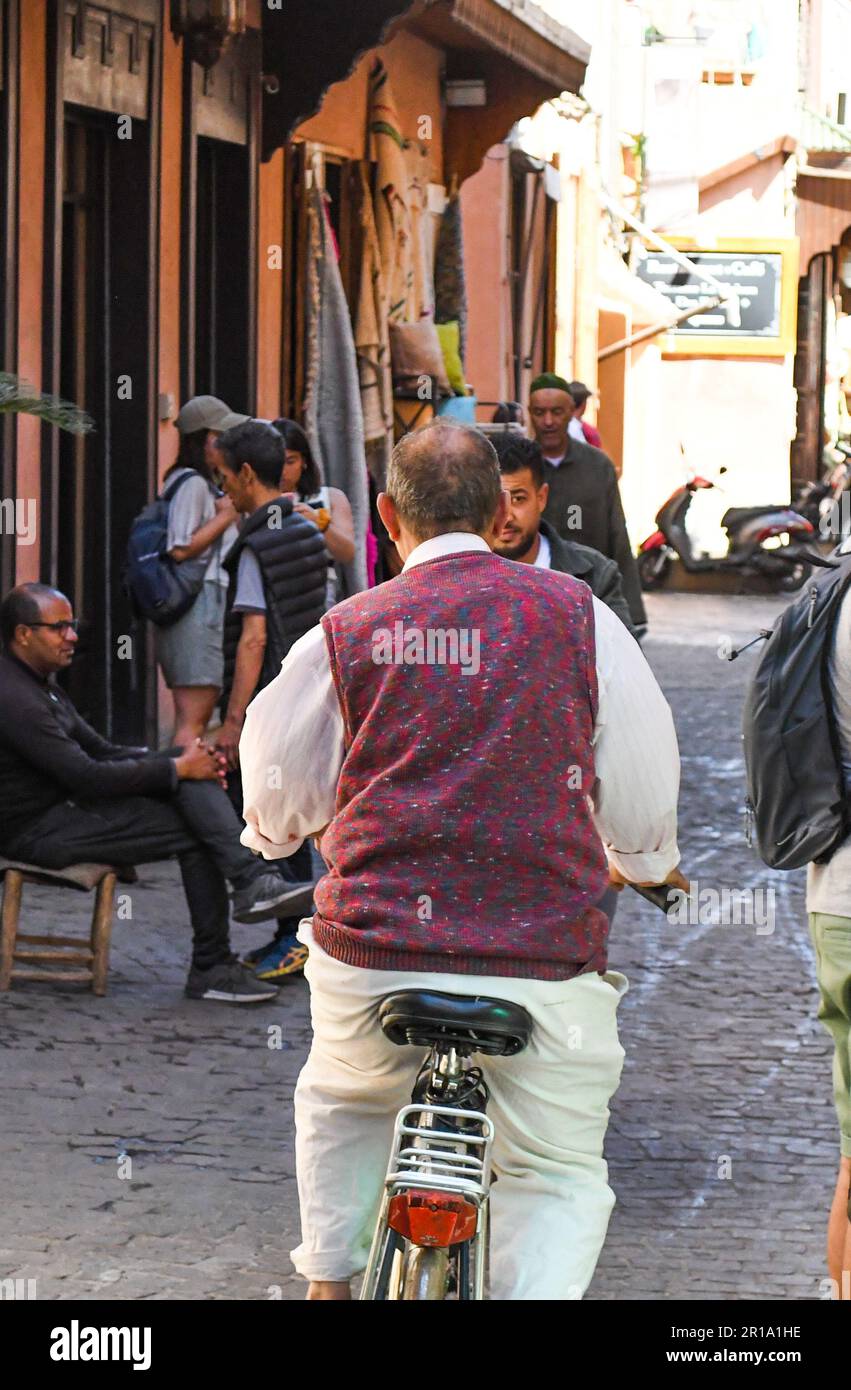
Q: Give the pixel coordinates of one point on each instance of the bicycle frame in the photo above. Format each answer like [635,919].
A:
[438,1178]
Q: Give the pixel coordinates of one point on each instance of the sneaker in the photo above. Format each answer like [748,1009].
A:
[287,958]
[229,982]
[271,896]
[254,957]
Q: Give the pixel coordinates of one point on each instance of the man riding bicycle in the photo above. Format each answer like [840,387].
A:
[485,749]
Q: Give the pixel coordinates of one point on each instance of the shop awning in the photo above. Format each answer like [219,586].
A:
[521,55]
[622,292]
[307,46]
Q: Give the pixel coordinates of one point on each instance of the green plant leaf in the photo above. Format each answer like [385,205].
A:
[19,398]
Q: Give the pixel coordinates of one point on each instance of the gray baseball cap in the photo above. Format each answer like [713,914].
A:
[207,413]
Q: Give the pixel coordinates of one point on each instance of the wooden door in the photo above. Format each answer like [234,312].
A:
[8,262]
[814,289]
[103,476]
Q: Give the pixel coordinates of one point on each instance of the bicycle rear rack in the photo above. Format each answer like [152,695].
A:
[423,1156]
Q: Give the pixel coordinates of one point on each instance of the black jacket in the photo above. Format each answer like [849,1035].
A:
[600,574]
[293,562]
[49,754]
[585,505]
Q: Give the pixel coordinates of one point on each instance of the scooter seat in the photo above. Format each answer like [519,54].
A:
[736,515]
[496,1027]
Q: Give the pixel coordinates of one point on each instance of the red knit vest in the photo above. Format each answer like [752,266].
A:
[462,840]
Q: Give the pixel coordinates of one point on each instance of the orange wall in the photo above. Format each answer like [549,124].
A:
[31,248]
[611,380]
[483,204]
[415,69]
[270,236]
[169,285]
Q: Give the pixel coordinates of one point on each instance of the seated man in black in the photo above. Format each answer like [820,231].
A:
[68,796]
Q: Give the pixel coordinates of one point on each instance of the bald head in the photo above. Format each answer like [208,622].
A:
[443,478]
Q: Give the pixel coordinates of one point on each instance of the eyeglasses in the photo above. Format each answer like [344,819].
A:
[72,626]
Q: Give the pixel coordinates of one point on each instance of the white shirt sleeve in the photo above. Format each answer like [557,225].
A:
[291,752]
[636,757]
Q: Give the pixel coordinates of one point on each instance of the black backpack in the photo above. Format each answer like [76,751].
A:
[796,791]
[159,588]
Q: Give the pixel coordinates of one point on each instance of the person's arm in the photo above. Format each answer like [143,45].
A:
[291,752]
[207,533]
[249,664]
[94,743]
[49,744]
[339,534]
[636,759]
[620,550]
[609,588]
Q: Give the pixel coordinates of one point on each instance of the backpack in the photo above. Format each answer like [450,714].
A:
[796,793]
[157,587]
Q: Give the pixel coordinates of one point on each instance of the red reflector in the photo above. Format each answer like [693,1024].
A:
[432,1218]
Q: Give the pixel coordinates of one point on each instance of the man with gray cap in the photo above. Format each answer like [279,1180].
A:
[201,531]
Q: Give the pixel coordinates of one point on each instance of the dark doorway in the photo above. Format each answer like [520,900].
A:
[222,268]
[8,261]
[104,366]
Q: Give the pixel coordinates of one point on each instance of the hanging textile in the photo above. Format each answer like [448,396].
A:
[333,418]
[372,341]
[372,337]
[418,161]
[450,286]
[392,213]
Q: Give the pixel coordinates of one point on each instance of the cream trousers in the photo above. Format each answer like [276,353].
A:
[551,1203]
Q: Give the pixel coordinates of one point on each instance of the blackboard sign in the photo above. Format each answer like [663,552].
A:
[755,276]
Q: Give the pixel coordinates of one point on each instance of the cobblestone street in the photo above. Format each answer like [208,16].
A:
[727,1072]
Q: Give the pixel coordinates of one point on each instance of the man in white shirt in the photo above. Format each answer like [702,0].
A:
[306,763]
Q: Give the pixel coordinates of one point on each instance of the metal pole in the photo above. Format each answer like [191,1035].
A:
[623,343]
[727,294]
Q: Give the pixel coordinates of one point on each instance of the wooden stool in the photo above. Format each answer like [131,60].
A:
[60,951]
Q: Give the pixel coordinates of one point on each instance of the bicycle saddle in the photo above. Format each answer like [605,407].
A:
[425,1018]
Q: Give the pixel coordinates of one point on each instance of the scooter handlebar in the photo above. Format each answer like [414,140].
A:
[812,557]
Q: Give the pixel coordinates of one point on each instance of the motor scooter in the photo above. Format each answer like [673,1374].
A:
[827,502]
[755,542]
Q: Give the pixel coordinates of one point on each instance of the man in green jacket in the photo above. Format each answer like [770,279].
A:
[584,501]
[528,538]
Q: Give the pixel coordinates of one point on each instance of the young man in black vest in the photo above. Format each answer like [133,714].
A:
[278,569]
